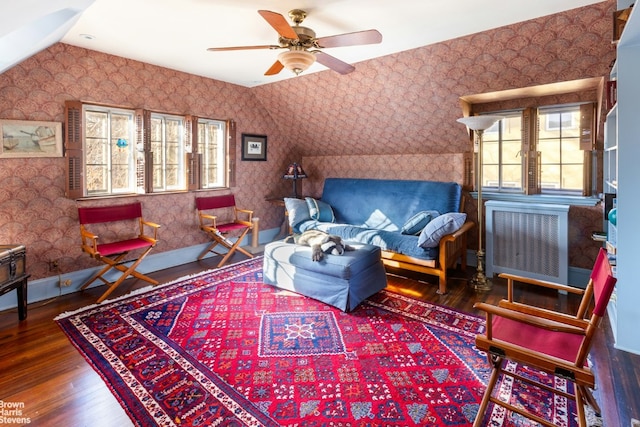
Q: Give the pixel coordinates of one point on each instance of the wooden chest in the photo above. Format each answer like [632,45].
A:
[13,274]
[12,262]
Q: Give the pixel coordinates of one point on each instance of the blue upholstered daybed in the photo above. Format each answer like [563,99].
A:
[416,224]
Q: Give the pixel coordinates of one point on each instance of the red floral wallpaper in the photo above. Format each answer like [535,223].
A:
[394,117]
[33,209]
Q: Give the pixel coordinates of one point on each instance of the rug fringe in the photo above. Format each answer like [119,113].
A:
[137,292]
[66,314]
[105,302]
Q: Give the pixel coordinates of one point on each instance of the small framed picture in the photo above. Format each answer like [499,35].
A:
[23,138]
[254,147]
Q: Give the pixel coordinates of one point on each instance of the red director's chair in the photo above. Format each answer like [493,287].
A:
[553,342]
[113,253]
[216,229]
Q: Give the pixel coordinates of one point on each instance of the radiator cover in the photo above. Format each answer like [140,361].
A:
[528,239]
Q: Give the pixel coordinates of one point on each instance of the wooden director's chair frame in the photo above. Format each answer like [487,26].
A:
[209,224]
[555,342]
[113,253]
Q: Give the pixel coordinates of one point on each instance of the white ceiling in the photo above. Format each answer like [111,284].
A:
[176,33]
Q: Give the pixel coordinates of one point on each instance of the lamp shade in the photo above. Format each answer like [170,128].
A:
[297,59]
[294,171]
[479,122]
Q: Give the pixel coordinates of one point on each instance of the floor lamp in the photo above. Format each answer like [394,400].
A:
[479,124]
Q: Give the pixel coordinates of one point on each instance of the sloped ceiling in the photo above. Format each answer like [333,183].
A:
[176,33]
[28,26]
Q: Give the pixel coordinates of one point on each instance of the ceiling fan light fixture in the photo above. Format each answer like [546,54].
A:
[297,59]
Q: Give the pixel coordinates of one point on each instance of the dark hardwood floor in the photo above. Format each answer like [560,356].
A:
[41,370]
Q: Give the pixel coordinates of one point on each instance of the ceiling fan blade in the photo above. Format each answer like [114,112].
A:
[279,23]
[351,39]
[222,49]
[275,69]
[334,63]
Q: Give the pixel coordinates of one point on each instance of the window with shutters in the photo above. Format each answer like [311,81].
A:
[109,158]
[116,151]
[211,147]
[539,150]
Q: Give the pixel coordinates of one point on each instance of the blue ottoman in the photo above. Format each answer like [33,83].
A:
[342,281]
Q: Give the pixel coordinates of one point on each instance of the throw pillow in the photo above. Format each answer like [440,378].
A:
[319,210]
[440,226]
[297,211]
[416,223]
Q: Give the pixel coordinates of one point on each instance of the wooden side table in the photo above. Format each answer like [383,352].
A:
[284,227]
[13,275]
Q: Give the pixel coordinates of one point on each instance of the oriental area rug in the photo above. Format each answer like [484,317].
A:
[221,348]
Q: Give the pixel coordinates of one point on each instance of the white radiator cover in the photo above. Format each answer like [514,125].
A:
[527,239]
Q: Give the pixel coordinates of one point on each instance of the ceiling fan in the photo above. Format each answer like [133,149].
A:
[303,46]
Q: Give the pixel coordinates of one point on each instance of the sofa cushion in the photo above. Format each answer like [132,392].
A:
[297,211]
[440,226]
[319,210]
[416,223]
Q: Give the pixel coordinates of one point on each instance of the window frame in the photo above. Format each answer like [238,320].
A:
[181,158]
[532,156]
[501,187]
[109,150]
[141,146]
[223,151]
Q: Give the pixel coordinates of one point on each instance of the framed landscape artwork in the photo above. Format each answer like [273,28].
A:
[24,138]
[254,147]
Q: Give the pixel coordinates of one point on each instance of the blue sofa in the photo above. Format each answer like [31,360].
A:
[396,215]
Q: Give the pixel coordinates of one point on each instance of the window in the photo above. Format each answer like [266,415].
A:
[211,146]
[561,160]
[167,146]
[109,157]
[538,151]
[116,151]
[502,159]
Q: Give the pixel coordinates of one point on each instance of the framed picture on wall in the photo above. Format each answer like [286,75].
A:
[25,138]
[254,147]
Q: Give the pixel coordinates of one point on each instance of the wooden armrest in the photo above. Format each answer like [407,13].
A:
[551,325]
[513,277]
[88,234]
[543,312]
[92,246]
[246,223]
[151,224]
[204,217]
[461,231]
[247,212]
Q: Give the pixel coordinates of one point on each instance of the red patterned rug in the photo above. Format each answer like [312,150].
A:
[223,349]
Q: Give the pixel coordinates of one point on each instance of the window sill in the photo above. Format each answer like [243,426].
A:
[539,198]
